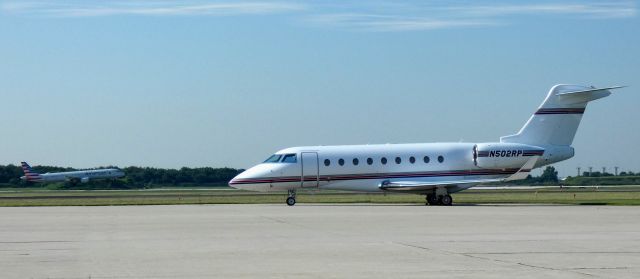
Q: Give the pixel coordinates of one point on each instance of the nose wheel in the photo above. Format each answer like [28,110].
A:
[291,200]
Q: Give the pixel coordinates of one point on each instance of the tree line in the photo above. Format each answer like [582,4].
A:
[136,177]
[146,177]
[550,177]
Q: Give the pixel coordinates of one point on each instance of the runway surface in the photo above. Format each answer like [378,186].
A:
[320,241]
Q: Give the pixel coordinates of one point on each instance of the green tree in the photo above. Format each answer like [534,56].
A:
[549,175]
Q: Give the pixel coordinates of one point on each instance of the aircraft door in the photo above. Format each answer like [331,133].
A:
[310,169]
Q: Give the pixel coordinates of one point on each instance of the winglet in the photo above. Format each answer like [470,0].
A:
[524,171]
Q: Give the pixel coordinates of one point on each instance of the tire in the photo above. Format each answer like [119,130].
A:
[432,199]
[446,200]
[291,201]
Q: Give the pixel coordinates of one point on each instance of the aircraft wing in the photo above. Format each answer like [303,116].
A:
[407,185]
[72,179]
[403,185]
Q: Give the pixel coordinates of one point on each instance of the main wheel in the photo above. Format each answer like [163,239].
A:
[291,201]
[446,200]
[432,199]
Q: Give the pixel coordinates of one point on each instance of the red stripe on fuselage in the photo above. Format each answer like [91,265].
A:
[372,176]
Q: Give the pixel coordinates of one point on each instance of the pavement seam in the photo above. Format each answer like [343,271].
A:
[473,255]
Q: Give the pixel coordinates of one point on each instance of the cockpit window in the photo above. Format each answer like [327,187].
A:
[273,159]
[289,158]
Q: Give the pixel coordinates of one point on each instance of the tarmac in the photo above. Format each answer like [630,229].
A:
[320,241]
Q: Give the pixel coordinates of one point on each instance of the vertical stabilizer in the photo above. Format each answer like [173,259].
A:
[556,120]
[29,174]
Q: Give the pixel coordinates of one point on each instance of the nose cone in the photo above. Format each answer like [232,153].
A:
[257,178]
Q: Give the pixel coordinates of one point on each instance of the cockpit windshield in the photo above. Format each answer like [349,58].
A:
[273,159]
[289,158]
[282,158]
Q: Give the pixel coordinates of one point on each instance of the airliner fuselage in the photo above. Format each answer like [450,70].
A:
[81,176]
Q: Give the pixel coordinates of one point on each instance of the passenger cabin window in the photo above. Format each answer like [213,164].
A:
[355,161]
[412,159]
[369,161]
[440,159]
[398,160]
[426,159]
[273,159]
[383,160]
[289,158]
[341,162]
[327,162]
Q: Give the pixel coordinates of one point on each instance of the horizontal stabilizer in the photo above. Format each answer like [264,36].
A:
[589,90]
[581,96]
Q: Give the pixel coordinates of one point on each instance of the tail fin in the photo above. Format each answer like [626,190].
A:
[29,174]
[556,120]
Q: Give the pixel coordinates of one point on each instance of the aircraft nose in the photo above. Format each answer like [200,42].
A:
[241,182]
[234,182]
[257,178]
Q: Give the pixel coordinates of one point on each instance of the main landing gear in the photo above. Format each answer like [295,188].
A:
[291,200]
[433,199]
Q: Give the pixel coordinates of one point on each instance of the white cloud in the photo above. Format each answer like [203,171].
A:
[429,16]
[84,9]
[376,22]
[366,15]
[596,9]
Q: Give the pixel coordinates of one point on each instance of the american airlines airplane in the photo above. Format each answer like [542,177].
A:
[82,176]
[432,169]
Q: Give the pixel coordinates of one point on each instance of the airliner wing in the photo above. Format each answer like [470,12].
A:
[72,179]
[405,185]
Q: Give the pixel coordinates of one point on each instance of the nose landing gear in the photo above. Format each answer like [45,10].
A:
[291,200]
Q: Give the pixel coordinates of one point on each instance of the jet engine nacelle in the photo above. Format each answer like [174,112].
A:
[504,155]
[84,180]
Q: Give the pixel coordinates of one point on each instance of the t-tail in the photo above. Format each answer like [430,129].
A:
[29,174]
[553,126]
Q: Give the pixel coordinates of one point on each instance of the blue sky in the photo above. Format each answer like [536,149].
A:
[226,83]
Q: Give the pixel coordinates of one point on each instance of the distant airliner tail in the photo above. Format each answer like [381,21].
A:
[29,174]
[556,120]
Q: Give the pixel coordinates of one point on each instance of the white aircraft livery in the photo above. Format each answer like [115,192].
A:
[82,176]
[432,169]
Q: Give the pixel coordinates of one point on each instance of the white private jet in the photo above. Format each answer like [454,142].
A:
[432,169]
[82,176]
